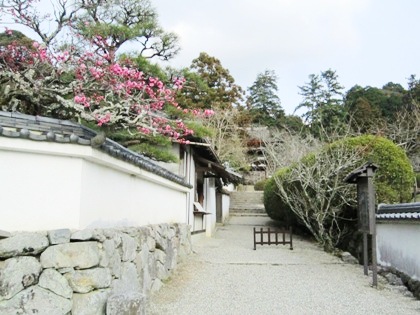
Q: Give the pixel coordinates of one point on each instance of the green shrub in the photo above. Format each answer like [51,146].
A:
[275,207]
[394,178]
[324,213]
[259,186]
[158,153]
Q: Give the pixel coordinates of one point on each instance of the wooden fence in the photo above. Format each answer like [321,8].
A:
[274,236]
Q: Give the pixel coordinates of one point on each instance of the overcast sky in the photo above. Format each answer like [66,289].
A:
[368,42]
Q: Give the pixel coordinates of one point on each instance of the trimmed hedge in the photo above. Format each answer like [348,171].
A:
[260,185]
[274,205]
[393,180]
[395,177]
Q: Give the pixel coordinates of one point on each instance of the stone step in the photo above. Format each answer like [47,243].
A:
[247,193]
[246,214]
[250,210]
[247,206]
[254,198]
[247,203]
[253,201]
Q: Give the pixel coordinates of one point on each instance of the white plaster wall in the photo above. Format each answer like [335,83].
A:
[111,198]
[229,187]
[198,223]
[189,168]
[225,207]
[398,246]
[210,205]
[38,191]
[50,185]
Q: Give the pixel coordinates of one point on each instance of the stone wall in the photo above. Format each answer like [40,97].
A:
[100,271]
[400,281]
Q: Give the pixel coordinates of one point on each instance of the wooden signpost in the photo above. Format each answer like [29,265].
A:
[363,177]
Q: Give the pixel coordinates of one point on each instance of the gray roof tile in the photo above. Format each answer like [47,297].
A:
[402,211]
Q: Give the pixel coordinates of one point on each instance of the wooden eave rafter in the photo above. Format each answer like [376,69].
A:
[216,169]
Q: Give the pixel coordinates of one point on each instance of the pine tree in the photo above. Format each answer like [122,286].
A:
[263,101]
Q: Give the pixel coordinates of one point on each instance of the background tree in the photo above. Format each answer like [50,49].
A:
[294,124]
[227,137]
[263,102]
[112,23]
[209,85]
[363,107]
[412,96]
[107,25]
[46,25]
[323,101]
[311,92]
[371,108]
[14,37]
[391,111]
[393,101]
[283,147]
[412,103]
[404,130]
[196,93]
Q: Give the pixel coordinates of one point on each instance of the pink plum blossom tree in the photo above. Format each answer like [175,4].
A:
[89,82]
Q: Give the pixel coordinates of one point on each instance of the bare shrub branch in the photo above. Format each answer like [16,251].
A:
[314,190]
[282,148]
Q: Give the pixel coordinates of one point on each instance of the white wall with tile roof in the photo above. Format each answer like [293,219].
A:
[46,185]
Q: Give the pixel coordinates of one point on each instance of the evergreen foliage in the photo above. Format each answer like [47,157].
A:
[209,85]
[323,101]
[263,101]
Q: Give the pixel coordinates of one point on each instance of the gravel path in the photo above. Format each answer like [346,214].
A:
[226,276]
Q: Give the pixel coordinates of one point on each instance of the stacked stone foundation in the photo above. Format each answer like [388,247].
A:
[99,271]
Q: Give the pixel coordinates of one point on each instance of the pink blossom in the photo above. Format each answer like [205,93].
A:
[152,82]
[104,119]
[179,82]
[159,84]
[144,130]
[208,112]
[80,99]
[180,124]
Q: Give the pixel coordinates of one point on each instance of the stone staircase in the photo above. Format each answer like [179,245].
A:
[247,203]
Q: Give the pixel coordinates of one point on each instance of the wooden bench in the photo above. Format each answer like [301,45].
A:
[275,236]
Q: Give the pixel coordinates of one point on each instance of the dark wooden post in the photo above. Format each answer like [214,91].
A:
[255,240]
[365,254]
[291,237]
[363,177]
